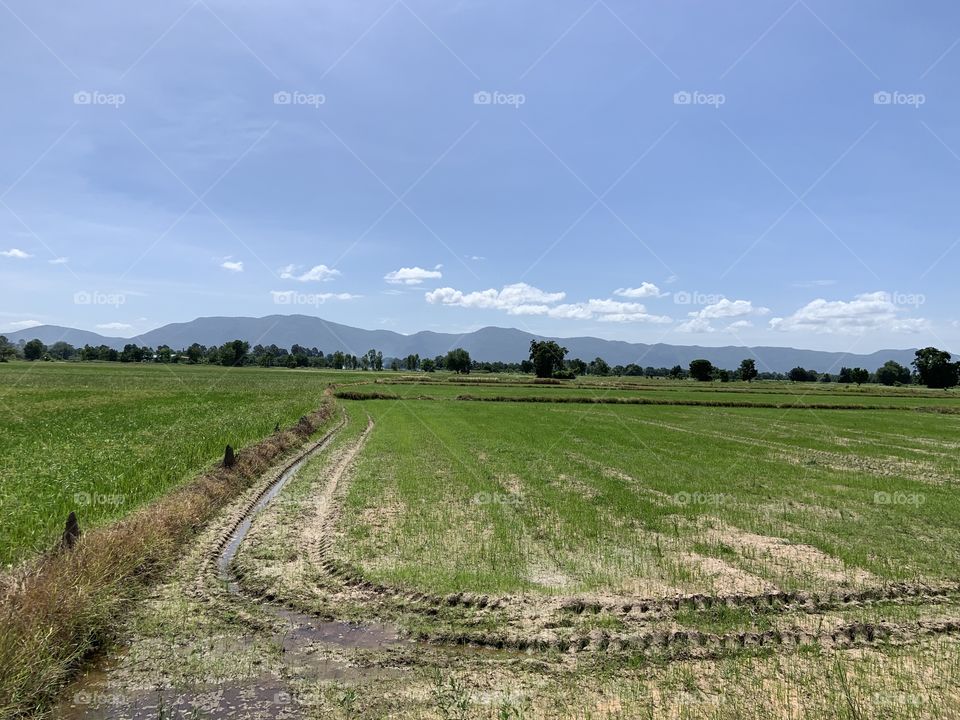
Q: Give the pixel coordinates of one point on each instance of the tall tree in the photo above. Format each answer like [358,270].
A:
[935,369]
[892,373]
[457,360]
[34,350]
[748,370]
[547,357]
[701,370]
[7,350]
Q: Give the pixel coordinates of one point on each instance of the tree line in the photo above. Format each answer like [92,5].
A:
[932,367]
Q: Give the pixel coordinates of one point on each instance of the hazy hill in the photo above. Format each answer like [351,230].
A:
[490,343]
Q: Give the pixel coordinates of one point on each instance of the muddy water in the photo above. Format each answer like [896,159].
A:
[313,651]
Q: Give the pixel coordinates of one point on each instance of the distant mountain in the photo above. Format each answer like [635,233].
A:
[490,344]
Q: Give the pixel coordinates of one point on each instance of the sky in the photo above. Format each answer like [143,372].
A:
[775,172]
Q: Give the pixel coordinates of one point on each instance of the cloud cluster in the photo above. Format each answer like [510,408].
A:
[646,290]
[318,273]
[232,265]
[15,253]
[412,275]
[701,321]
[869,311]
[524,299]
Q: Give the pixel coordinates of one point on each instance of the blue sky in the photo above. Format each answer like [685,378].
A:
[776,172]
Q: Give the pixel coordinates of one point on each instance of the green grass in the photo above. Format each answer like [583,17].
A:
[508,497]
[802,395]
[103,439]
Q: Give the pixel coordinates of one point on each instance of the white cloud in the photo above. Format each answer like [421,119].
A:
[645,290]
[114,326]
[523,299]
[738,325]
[412,275]
[25,324]
[318,273]
[477,258]
[15,253]
[696,325]
[869,311]
[699,321]
[59,261]
[516,299]
[232,266]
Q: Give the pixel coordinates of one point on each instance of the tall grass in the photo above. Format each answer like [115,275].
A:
[59,607]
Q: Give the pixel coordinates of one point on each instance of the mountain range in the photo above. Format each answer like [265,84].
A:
[486,344]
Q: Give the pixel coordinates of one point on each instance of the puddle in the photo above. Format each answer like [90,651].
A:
[366,636]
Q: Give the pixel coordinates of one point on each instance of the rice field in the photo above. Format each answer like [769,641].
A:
[651,500]
[104,439]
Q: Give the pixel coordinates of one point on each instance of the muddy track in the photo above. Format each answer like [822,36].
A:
[214,571]
[688,644]
[679,644]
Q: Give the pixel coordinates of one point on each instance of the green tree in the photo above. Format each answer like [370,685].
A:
[578,367]
[428,365]
[7,350]
[892,373]
[547,357]
[701,370]
[935,369]
[860,376]
[457,360]
[234,353]
[61,350]
[34,350]
[799,374]
[748,370]
[599,366]
[677,372]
